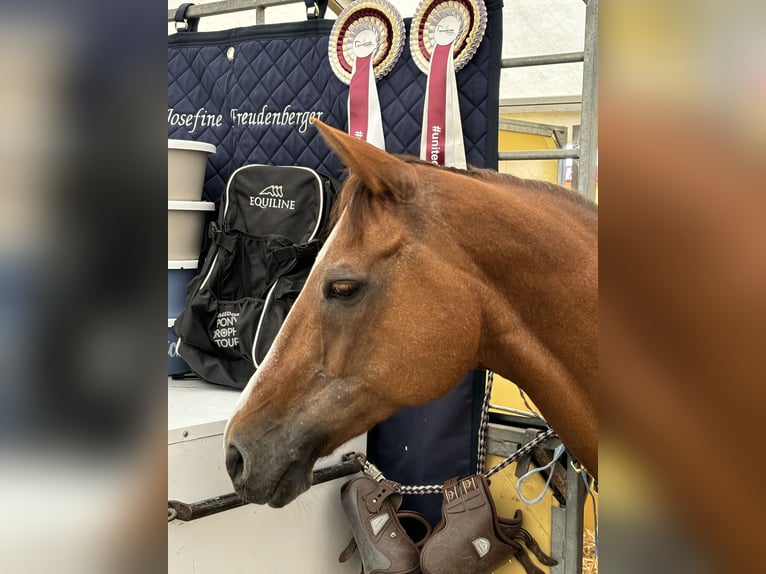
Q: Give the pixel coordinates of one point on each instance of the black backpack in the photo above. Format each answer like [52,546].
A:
[268,232]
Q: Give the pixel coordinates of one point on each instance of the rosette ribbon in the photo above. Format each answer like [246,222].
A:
[444,35]
[365,43]
[441,139]
[364,117]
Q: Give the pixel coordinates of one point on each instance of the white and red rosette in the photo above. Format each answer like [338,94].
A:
[444,36]
[365,43]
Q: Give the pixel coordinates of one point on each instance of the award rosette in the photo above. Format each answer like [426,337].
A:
[365,43]
[445,35]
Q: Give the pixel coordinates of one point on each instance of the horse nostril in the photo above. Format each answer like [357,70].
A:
[235,464]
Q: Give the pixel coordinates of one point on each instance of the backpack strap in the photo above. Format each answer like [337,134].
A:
[290,252]
[218,237]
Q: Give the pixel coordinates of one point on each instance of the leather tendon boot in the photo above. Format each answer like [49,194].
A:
[513,530]
[385,547]
[469,538]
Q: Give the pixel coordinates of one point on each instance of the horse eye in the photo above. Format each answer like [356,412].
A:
[343,289]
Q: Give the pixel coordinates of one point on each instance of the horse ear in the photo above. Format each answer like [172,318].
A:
[380,171]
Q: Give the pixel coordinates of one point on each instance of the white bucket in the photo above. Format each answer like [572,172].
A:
[187,161]
[186,220]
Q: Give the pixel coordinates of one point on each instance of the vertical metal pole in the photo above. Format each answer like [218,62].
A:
[586,176]
[558,538]
[576,164]
[260,15]
[573,523]
[562,169]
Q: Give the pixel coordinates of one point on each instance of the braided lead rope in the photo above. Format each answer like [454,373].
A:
[423,489]
[484,422]
[374,472]
[526,404]
[521,451]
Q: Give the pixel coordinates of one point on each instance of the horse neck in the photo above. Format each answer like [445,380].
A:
[532,257]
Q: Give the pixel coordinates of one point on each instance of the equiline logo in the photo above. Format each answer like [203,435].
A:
[273,191]
[272,197]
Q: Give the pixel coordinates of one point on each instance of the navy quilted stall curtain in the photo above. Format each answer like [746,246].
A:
[251,91]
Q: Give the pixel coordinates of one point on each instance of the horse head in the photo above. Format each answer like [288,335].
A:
[427,273]
[375,328]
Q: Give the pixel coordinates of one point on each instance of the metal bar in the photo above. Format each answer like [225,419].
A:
[538,154]
[542,60]
[576,164]
[510,104]
[562,173]
[522,464]
[504,440]
[260,15]
[573,523]
[558,538]
[513,411]
[186,511]
[227,7]
[349,466]
[517,421]
[526,127]
[586,174]
[560,137]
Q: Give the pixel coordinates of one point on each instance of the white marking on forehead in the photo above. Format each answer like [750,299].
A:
[275,346]
[325,248]
[247,391]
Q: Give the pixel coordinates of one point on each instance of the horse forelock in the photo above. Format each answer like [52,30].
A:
[354,198]
[359,201]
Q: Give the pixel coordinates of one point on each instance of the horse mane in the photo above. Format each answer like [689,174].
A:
[359,201]
[507,179]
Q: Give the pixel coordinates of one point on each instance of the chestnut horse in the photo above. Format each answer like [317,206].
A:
[428,272]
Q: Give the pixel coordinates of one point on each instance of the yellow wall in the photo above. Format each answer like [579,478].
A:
[546,170]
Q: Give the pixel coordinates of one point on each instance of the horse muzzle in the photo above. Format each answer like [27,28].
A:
[272,472]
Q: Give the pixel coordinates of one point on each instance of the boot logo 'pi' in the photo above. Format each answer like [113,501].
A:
[377,522]
[481,545]
[451,493]
[469,484]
